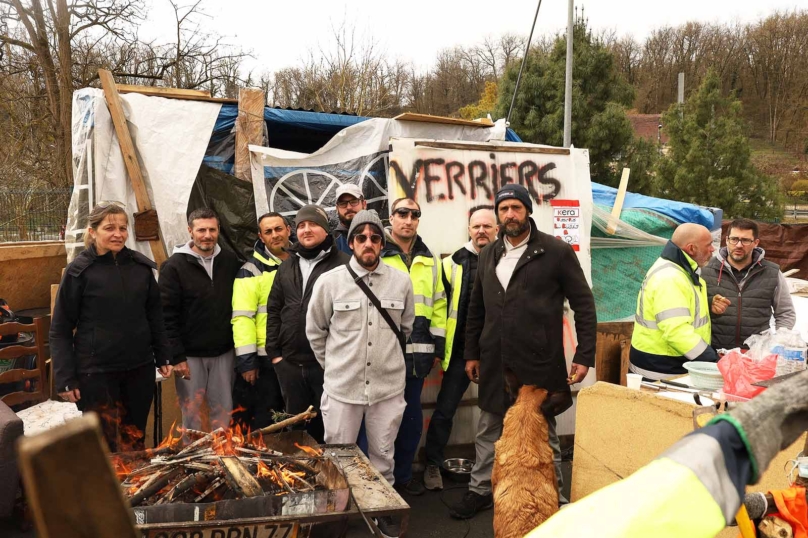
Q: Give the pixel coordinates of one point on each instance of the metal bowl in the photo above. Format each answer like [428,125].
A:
[458,469]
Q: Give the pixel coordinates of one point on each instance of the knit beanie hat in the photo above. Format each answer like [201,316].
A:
[315,214]
[366,216]
[512,191]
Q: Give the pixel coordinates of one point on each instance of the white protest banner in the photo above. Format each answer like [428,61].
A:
[450,179]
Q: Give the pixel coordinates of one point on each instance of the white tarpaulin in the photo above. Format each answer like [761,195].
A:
[285,181]
[170,136]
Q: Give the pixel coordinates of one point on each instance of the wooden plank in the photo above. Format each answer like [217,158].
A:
[70,484]
[130,156]
[176,94]
[618,202]
[249,129]
[161,92]
[373,493]
[28,251]
[471,146]
[426,118]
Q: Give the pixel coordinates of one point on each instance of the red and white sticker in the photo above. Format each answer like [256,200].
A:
[567,222]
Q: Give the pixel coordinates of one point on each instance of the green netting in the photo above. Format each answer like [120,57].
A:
[618,271]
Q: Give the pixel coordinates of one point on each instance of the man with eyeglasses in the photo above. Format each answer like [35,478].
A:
[361,355]
[672,322]
[350,201]
[406,251]
[744,289]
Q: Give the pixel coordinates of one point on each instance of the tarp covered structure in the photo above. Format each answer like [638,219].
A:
[186,153]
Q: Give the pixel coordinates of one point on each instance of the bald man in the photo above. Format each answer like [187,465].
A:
[672,323]
[459,271]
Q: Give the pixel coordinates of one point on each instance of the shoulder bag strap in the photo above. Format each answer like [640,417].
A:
[375,301]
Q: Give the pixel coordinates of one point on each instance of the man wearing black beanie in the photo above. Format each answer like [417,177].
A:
[299,373]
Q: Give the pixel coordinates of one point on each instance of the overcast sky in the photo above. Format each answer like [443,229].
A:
[280,33]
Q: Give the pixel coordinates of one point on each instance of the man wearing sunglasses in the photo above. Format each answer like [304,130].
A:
[405,251]
[744,289]
[360,352]
[349,202]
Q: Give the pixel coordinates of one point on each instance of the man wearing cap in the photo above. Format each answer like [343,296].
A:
[299,374]
[350,201]
[359,351]
[405,250]
[515,332]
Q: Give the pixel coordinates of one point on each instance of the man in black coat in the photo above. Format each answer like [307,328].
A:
[299,373]
[515,331]
[196,286]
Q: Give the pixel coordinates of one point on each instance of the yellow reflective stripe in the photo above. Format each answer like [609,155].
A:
[262,351]
[262,309]
[245,313]
[435,331]
[697,350]
[453,314]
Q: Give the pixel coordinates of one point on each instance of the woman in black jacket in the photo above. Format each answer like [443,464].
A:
[109,296]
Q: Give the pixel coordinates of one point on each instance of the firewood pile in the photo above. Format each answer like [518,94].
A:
[197,467]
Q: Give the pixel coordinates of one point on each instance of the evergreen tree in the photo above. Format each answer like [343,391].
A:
[600,96]
[708,162]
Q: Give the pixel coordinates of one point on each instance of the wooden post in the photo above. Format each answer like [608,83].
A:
[130,156]
[70,484]
[249,128]
[618,202]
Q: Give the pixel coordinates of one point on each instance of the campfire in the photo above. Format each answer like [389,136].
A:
[229,465]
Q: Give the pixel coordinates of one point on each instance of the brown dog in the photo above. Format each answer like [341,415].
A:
[523,479]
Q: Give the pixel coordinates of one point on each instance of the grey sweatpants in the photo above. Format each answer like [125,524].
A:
[211,381]
[489,430]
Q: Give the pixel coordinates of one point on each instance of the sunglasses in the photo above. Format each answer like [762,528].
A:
[376,239]
[404,213]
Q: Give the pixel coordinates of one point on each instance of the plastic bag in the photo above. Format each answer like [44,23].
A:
[787,344]
[740,372]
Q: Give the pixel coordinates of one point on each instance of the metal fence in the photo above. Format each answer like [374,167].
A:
[33,215]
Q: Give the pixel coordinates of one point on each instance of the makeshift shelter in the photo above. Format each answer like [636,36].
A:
[187,148]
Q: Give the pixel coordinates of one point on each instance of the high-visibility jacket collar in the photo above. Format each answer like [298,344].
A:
[676,255]
[392,248]
[260,254]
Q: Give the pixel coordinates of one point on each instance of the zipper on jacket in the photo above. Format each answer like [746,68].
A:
[738,325]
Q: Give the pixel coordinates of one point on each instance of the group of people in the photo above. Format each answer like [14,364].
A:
[684,315]
[349,321]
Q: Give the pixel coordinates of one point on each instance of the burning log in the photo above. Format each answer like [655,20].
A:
[157,482]
[196,479]
[239,477]
[222,464]
[308,414]
[216,484]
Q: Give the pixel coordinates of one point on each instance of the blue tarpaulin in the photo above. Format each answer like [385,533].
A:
[678,211]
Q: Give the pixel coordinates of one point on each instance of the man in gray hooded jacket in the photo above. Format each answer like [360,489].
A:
[744,289]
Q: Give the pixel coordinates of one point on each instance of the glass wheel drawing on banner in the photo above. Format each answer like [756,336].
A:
[304,186]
